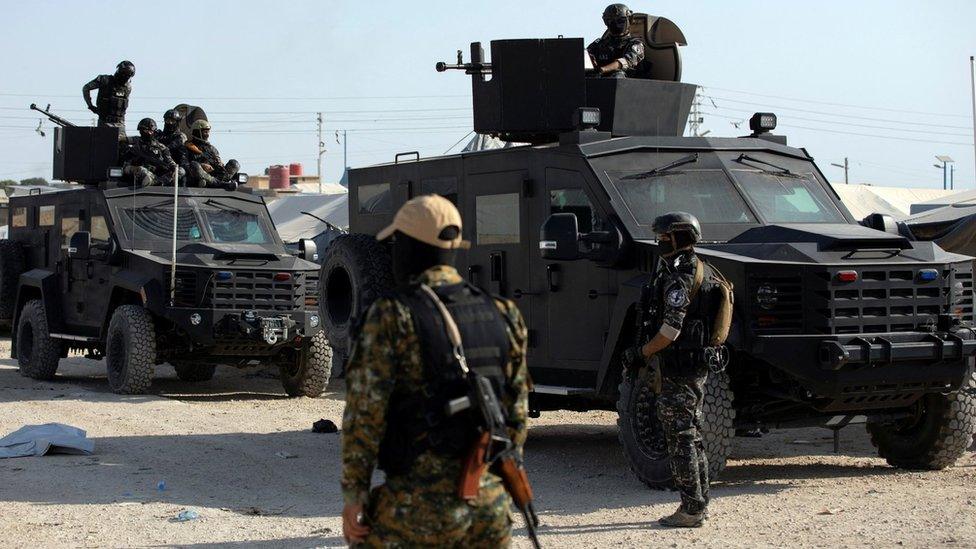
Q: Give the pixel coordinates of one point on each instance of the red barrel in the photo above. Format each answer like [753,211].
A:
[295,169]
[278,177]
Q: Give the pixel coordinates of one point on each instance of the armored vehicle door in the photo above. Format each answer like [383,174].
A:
[575,294]
[84,279]
[497,226]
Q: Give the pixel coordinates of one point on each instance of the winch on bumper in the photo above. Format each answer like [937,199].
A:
[876,370]
[267,328]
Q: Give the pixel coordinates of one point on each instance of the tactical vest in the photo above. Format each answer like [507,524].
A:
[709,314]
[112,101]
[416,421]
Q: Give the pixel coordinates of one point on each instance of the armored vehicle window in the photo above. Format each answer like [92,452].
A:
[45,216]
[69,226]
[786,198]
[19,219]
[497,218]
[444,186]
[573,201]
[99,228]
[708,194]
[375,198]
[156,222]
[236,226]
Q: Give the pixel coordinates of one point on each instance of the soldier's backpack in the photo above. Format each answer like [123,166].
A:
[717,291]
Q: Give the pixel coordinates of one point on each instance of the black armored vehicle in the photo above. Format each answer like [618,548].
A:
[836,320]
[195,277]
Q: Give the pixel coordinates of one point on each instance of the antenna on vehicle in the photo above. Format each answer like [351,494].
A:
[172,271]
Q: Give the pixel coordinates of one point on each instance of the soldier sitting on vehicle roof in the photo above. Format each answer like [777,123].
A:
[202,160]
[147,160]
[618,52]
[171,136]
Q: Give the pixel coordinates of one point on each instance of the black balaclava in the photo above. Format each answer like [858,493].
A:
[412,257]
[680,240]
[618,26]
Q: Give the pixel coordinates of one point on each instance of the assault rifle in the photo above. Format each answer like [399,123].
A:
[52,117]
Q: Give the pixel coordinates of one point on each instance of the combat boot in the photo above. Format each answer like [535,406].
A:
[683,519]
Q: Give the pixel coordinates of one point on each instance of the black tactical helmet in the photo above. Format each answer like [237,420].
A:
[678,222]
[146,124]
[172,116]
[614,11]
[126,67]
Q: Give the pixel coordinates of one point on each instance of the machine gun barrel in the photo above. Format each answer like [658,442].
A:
[476,66]
[52,117]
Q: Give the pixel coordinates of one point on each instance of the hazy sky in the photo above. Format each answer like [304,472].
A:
[884,83]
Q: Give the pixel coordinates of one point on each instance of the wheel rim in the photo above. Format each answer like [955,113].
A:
[116,358]
[647,428]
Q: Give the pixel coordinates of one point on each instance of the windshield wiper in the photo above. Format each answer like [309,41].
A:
[330,225]
[222,206]
[661,169]
[782,171]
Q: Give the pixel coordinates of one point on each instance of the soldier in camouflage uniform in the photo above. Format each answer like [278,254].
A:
[113,96]
[618,52]
[681,315]
[147,160]
[394,407]
[171,136]
[202,160]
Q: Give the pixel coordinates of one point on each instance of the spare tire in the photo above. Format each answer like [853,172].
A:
[11,266]
[355,271]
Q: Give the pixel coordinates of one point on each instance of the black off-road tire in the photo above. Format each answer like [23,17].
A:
[12,265]
[193,372]
[130,350]
[643,441]
[308,373]
[355,271]
[37,354]
[939,434]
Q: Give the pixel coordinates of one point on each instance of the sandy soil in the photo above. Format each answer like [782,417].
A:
[214,446]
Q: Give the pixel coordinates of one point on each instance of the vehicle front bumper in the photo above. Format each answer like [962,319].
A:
[253,328]
[859,371]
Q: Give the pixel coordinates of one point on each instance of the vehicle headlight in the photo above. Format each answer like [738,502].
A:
[196,319]
[766,296]
[313,321]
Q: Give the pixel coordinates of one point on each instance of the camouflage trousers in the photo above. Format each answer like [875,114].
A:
[679,408]
[402,517]
[198,177]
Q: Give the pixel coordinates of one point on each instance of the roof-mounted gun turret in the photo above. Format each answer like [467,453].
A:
[537,86]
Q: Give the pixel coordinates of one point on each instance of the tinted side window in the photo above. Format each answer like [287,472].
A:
[19,217]
[497,219]
[444,186]
[576,202]
[45,216]
[374,199]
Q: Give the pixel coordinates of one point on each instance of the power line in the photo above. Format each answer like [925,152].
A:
[274,98]
[866,107]
[855,124]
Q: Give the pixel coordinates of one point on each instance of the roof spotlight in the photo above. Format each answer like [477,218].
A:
[762,122]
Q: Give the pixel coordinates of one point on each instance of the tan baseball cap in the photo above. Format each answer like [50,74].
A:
[425,218]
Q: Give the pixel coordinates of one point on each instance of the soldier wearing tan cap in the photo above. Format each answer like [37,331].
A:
[401,374]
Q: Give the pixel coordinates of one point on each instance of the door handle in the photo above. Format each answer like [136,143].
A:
[593,294]
[550,269]
[518,293]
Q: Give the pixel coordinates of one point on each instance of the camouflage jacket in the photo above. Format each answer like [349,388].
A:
[196,150]
[386,353]
[150,154]
[628,49]
[673,282]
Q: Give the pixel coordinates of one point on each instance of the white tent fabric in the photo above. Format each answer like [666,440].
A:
[293,225]
[863,200]
[482,142]
[948,199]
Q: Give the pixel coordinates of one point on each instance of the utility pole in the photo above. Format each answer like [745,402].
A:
[846,166]
[952,177]
[321,152]
[694,123]
[972,77]
[946,160]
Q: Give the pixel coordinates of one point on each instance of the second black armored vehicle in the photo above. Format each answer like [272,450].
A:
[195,277]
[836,320]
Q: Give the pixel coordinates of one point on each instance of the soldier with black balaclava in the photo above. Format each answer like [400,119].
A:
[618,52]
[147,160]
[113,96]
[171,136]
[202,160]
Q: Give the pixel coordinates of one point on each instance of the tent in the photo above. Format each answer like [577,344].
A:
[320,217]
[898,202]
[950,198]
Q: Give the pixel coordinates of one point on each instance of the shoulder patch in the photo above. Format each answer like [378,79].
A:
[677,296]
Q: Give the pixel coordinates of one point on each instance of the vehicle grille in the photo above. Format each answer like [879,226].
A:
[785,314]
[883,299]
[312,291]
[186,288]
[258,290]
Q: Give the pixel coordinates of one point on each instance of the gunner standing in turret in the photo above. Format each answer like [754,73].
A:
[113,96]
[618,51]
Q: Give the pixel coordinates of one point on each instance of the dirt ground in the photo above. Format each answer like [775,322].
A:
[216,447]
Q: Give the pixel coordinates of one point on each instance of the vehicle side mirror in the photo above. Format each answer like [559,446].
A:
[559,238]
[79,247]
[307,250]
